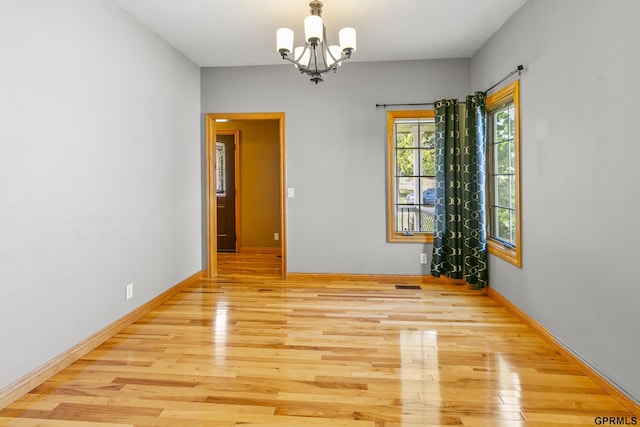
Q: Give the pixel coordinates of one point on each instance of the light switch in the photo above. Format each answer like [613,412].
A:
[290,193]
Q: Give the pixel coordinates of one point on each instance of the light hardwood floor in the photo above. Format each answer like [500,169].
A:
[248,349]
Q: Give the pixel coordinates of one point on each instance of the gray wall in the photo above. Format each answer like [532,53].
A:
[580,175]
[99,173]
[335,153]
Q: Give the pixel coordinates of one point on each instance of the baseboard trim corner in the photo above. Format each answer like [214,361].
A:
[594,375]
[36,377]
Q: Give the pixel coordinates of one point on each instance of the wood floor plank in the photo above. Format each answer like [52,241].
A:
[34,422]
[249,349]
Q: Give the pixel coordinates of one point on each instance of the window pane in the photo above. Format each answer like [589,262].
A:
[502,126]
[427,203]
[505,224]
[503,157]
[404,139]
[414,219]
[428,162]
[428,136]
[405,219]
[405,162]
[512,156]
[495,222]
[512,192]
[411,219]
[426,219]
[428,191]
[512,122]
[503,191]
[407,188]
[512,236]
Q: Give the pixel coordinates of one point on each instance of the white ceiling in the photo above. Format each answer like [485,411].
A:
[218,33]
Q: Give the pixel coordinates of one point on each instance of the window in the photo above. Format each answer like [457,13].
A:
[503,180]
[220,169]
[410,175]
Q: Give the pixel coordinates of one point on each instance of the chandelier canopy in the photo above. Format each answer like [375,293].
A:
[316,57]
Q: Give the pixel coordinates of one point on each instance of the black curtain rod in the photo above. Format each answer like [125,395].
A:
[400,105]
[518,70]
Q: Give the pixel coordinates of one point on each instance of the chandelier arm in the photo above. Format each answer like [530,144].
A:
[293,61]
[306,48]
[335,60]
[309,71]
[296,61]
[306,70]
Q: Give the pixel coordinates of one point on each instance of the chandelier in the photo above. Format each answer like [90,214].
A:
[316,57]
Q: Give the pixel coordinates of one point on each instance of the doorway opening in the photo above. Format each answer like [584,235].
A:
[260,185]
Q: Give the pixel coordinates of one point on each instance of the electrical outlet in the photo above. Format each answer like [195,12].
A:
[276,236]
[423,258]
[128,291]
[291,193]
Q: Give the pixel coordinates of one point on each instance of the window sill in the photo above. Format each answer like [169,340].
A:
[511,255]
[415,238]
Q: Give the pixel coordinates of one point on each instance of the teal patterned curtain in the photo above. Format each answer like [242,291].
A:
[459,240]
[474,250]
[447,235]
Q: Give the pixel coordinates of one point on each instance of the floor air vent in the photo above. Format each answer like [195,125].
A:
[416,287]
